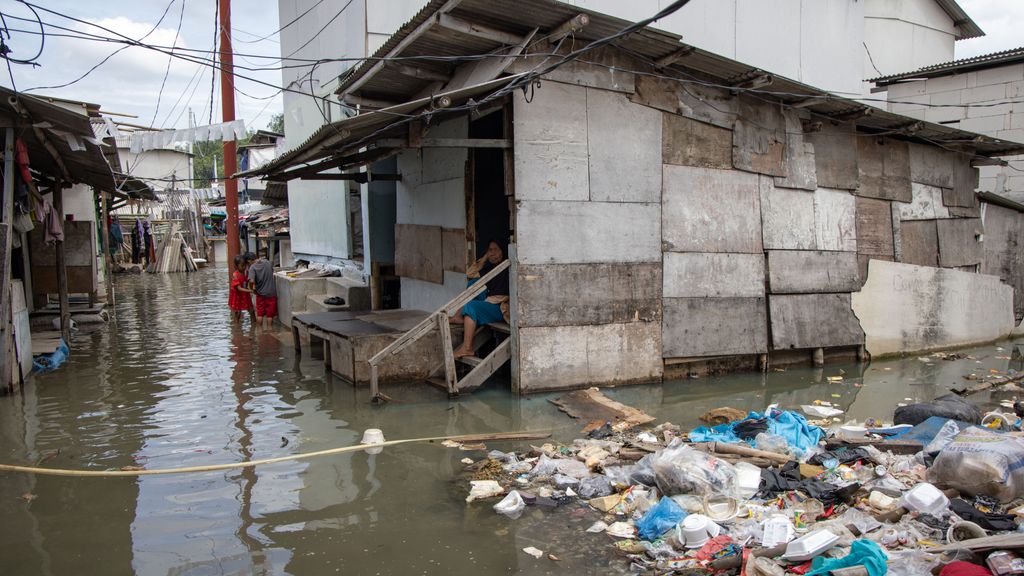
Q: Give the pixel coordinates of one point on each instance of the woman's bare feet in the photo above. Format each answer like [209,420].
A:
[462,352]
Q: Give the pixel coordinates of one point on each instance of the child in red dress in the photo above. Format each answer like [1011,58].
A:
[238,298]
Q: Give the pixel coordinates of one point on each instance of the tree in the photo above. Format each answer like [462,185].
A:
[276,123]
[205,154]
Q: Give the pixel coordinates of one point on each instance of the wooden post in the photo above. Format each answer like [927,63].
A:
[62,270]
[108,261]
[450,375]
[5,267]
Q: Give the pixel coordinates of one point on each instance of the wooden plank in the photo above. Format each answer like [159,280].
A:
[464,143]
[932,165]
[590,405]
[965,182]
[588,294]
[884,169]
[700,275]
[687,142]
[787,218]
[874,228]
[835,220]
[487,367]
[919,243]
[694,327]
[450,374]
[551,156]
[959,242]
[604,69]
[812,272]
[759,138]
[623,173]
[453,249]
[834,160]
[418,252]
[62,276]
[706,210]
[800,168]
[813,321]
[926,204]
[588,232]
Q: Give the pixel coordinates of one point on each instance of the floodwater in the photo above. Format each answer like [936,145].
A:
[173,383]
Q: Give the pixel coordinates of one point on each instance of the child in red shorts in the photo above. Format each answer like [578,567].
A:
[238,298]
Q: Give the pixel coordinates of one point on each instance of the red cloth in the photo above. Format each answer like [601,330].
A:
[959,568]
[266,306]
[238,300]
[21,157]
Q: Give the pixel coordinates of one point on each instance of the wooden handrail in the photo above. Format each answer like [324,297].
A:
[428,323]
[438,318]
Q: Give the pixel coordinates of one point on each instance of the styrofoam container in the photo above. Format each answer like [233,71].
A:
[851,432]
[806,547]
[926,499]
[748,479]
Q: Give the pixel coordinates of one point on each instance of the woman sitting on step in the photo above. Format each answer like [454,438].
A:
[489,306]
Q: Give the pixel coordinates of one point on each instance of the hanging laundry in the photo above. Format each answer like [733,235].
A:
[53,228]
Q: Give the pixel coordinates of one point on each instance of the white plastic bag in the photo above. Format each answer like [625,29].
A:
[511,505]
[680,469]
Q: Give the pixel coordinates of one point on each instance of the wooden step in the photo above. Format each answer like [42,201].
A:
[487,367]
[470,360]
[502,327]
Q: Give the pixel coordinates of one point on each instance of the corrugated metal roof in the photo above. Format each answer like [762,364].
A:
[88,166]
[981,62]
[377,82]
[965,26]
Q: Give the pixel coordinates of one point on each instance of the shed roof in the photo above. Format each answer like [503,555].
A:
[445,33]
[58,127]
[982,62]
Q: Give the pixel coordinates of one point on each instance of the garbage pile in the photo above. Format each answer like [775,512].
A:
[770,493]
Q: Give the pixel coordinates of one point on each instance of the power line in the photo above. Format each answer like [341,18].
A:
[278,31]
[167,71]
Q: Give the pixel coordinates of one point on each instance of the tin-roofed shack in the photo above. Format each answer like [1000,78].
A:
[668,211]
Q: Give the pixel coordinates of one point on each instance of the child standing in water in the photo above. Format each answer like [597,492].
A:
[238,298]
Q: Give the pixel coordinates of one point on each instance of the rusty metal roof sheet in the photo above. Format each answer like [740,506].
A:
[993,60]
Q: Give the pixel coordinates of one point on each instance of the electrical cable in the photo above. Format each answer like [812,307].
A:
[167,71]
[42,39]
[279,30]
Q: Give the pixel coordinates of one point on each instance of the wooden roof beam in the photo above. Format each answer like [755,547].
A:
[478,30]
[674,57]
[419,73]
[570,26]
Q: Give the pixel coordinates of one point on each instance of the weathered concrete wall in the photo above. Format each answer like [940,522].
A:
[1003,250]
[907,308]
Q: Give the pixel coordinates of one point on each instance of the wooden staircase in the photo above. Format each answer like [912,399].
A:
[480,369]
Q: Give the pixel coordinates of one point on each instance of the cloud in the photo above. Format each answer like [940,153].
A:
[1000,19]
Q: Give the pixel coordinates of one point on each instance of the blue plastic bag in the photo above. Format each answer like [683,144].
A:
[660,519]
[862,553]
[50,362]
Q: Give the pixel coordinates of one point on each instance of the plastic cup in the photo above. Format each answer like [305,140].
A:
[373,436]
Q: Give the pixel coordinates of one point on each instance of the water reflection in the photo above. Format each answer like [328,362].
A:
[173,383]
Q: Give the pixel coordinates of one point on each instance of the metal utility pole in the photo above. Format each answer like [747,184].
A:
[227,101]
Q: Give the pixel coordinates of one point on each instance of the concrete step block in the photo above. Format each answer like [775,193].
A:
[356,294]
[315,303]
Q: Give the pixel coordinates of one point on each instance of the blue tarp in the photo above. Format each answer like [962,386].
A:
[52,361]
[791,426]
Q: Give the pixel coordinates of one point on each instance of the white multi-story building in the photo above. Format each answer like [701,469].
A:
[830,44]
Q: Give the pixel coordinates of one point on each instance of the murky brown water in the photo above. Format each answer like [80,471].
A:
[173,383]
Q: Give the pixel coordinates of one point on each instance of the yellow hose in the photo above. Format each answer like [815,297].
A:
[247,464]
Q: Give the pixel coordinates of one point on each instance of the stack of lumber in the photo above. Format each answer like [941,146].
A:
[173,254]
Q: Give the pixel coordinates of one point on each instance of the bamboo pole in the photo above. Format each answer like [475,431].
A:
[108,259]
[62,270]
[495,437]
[6,373]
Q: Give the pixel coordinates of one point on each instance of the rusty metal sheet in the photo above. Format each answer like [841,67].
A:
[588,294]
[813,321]
[688,142]
[418,252]
[959,242]
[834,157]
[759,138]
[694,327]
[884,168]
[453,249]
[919,243]
[874,228]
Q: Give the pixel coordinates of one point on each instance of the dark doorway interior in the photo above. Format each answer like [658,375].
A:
[490,206]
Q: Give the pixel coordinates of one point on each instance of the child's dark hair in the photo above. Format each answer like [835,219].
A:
[239,261]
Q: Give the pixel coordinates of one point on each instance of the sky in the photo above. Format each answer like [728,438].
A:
[130,81]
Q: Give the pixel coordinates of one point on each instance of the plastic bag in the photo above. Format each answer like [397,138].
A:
[595,487]
[551,466]
[511,505]
[772,443]
[660,519]
[942,439]
[979,461]
[946,406]
[483,489]
[680,469]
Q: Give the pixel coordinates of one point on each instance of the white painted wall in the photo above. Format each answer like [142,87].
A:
[991,87]
[904,35]
[319,210]
[158,165]
[80,202]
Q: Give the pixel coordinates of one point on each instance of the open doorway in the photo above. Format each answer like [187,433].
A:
[487,207]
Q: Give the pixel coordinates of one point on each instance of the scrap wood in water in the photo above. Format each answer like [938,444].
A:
[591,404]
